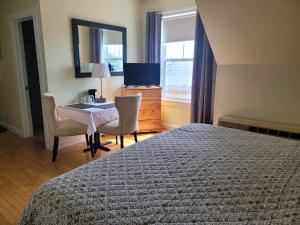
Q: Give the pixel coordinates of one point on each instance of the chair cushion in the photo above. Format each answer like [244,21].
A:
[111,128]
[70,128]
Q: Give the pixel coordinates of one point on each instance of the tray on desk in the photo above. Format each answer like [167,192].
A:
[87,106]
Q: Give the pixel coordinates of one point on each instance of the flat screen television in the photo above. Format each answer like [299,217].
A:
[141,74]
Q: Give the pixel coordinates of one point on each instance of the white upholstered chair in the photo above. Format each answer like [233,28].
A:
[60,128]
[128,108]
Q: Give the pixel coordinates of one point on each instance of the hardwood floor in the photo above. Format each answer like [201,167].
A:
[25,164]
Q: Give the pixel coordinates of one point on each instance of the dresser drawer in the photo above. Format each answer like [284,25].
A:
[149,125]
[150,105]
[146,93]
[149,115]
[150,109]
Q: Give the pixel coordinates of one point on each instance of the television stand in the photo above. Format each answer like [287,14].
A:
[150,111]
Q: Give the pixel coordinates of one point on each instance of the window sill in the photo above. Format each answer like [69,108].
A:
[176,103]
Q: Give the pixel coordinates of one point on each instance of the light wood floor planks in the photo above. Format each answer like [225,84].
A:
[25,165]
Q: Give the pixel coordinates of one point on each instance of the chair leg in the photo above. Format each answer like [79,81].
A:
[92,145]
[135,137]
[55,148]
[116,139]
[122,141]
[87,140]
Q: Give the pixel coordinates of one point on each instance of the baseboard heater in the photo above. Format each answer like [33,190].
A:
[264,127]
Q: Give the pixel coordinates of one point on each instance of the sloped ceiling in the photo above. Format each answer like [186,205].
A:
[252,31]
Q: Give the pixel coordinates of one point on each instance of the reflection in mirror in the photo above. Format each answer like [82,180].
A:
[100,46]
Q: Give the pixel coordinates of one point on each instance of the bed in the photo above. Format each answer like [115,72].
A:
[195,174]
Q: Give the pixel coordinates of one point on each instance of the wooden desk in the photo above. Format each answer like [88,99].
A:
[93,118]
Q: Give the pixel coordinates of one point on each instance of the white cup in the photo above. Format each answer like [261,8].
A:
[83,100]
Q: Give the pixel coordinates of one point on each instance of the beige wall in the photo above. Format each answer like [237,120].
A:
[57,39]
[263,92]
[56,25]
[253,32]
[237,37]
[257,49]
[173,113]
[10,114]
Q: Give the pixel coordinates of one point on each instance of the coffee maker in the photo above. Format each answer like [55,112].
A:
[92,92]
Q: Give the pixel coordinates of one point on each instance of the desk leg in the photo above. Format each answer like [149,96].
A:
[99,145]
[92,146]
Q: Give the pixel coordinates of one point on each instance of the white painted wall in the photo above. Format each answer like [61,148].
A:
[263,92]
[56,27]
[175,114]
[56,24]
[57,39]
[252,32]
[255,44]
[257,49]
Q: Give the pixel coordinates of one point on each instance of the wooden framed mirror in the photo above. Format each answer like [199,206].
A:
[98,43]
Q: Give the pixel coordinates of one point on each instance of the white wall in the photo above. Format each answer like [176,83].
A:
[57,40]
[58,45]
[257,49]
[252,32]
[56,24]
[173,113]
[10,113]
[263,92]
[255,44]
[57,36]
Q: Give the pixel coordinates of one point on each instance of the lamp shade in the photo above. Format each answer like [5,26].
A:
[100,70]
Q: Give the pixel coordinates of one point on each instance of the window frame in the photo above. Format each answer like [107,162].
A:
[164,59]
[164,67]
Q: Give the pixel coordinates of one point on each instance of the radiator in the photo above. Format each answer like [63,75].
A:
[265,127]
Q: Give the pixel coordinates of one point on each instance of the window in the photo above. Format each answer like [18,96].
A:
[113,55]
[178,66]
[177,57]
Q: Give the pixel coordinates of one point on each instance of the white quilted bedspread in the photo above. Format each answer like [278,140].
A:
[196,174]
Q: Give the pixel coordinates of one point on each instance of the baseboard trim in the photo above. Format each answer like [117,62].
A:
[169,126]
[12,129]
[63,141]
[67,141]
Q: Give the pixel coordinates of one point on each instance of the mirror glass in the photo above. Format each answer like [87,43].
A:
[98,43]
[100,46]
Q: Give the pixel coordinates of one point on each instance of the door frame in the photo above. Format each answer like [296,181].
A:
[20,66]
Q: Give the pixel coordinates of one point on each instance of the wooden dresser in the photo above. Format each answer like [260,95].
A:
[150,111]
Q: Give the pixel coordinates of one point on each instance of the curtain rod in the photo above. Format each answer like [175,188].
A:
[178,15]
[177,11]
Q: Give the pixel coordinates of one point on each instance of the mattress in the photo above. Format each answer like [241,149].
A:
[195,174]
